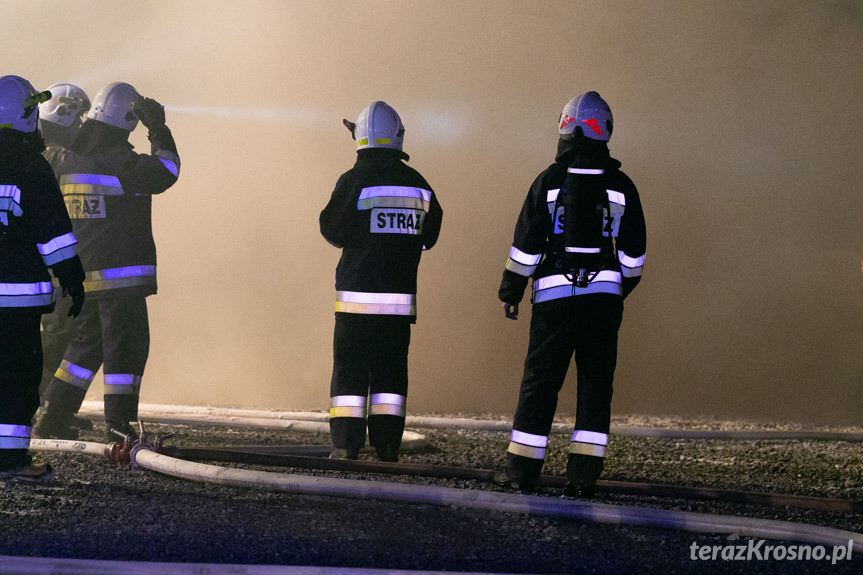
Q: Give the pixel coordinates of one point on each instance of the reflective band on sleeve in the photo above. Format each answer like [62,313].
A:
[394,197]
[122,384]
[630,267]
[387,404]
[594,437]
[586,171]
[172,167]
[522,263]
[74,375]
[616,197]
[114,278]
[383,141]
[348,406]
[90,184]
[170,160]
[59,249]
[376,303]
[26,295]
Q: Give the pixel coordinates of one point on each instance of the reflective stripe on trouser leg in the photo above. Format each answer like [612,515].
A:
[386,419]
[528,445]
[588,443]
[14,436]
[586,456]
[75,375]
[348,421]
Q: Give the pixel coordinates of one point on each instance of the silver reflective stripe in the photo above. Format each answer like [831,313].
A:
[376,303]
[394,197]
[577,250]
[588,443]
[551,195]
[14,436]
[590,437]
[616,197]
[26,295]
[58,249]
[586,171]
[387,404]
[74,375]
[561,280]
[90,184]
[631,267]
[348,406]
[522,263]
[529,439]
[114,278]
[122,384]
[10,201]
[170,161]
[528,445]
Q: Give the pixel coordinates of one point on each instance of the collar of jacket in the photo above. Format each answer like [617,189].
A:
[94,135]
[381,154]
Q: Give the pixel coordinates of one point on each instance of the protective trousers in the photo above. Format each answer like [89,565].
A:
[20,370]
[370,380]
[58,330]
[587,327]
[113,333]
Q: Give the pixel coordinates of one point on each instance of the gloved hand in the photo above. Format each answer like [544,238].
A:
[77,294]
[150,112]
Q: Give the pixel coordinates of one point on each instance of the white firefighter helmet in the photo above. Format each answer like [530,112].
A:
[67,103]
[379,126]
[590,112]
[115,105]
[19,104]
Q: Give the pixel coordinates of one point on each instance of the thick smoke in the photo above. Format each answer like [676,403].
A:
[740,123]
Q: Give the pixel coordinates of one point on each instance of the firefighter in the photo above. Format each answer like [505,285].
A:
[35,235]
[60,118]
[108,190]
[382,214]
[581,237]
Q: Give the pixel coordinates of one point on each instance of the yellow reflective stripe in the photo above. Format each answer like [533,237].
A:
[363,142]
[74,375]
[383,141]
[526,450]
[115,278]
[348,411]
[587,449]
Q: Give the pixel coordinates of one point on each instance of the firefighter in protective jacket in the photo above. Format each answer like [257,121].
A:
[382,214]
[108,190]
[581,237]
[35,235]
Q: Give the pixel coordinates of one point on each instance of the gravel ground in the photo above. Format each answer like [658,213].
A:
[97,510]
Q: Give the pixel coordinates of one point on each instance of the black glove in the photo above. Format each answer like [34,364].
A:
[76,292]
[151,113]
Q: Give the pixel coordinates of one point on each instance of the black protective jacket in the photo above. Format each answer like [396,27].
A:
[538,245]
[383,214]
[35,231]
[108,190]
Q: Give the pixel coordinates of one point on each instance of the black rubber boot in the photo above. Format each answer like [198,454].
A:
[56,419]
[582,471]
[388,453]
